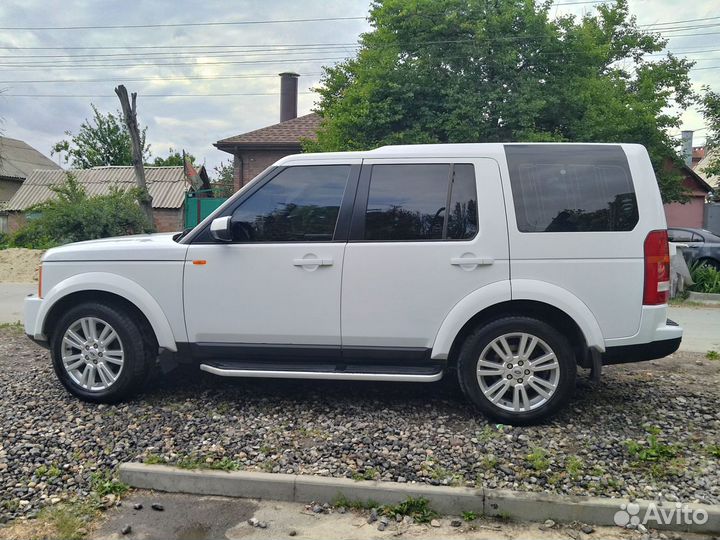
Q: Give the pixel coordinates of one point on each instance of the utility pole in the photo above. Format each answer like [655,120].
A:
[130,114]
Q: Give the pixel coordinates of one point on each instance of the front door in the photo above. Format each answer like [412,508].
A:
[276,286]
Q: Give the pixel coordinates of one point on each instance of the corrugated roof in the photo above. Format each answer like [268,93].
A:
[167,185]
[18,159]
[705,162]
[286,133]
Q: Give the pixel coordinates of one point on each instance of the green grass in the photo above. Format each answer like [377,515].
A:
[712,355]
[418,509]
[652,450]
[368,474]
[706,278]
[574,466]
[714,450]
[469,516]
[538,459]
[17,326]
[354,504]
[70,520]
[193,462]
[154,459]
[505,517]
[105,483]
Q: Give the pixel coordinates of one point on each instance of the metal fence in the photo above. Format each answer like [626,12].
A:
[200,204]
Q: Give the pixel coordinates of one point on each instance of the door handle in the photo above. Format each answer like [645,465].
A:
[474,261]
[313,262]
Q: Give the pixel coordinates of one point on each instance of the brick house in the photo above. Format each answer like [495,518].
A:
[17,160]
[256,150]
[691,213]
[167,186]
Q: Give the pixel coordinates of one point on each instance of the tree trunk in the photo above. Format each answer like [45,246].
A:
[130,114]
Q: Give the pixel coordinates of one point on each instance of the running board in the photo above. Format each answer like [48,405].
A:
[411,374]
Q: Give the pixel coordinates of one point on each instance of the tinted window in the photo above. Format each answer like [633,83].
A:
[407,202]
[462,217]
[301,204]
[571,188]
[678,235]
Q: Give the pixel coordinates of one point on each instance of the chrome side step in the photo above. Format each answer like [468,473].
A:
[325,375]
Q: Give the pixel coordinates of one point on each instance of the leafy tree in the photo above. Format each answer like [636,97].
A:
[224,182]
[710,107]
[103,140]
[174,159]
[447,71]
[72,216]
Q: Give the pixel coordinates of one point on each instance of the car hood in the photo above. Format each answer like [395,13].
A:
[140,247]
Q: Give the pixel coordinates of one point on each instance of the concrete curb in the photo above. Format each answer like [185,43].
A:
[522,506]
[704,298]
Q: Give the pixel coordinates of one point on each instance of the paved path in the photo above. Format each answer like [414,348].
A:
[11,300]
[701,325]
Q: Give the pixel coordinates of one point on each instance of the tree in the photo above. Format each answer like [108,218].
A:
[174,159]
[446,71]
[224,182]
[710,107]
[103,140]
[137,143]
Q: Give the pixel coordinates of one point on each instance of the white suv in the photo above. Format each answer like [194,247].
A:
[508,264]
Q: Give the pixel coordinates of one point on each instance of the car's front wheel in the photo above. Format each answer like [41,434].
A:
[517,370]
[99,353]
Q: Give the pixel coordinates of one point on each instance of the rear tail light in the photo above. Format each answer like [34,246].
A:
[657,269]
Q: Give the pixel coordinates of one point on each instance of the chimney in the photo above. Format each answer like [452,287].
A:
[687,138]
[288,95]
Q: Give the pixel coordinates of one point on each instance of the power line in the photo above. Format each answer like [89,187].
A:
[157,79]
[231,94]
[678,22]
[176,25]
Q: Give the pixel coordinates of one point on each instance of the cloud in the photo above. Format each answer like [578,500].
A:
[195,123]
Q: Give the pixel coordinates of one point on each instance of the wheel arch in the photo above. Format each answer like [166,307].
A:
[112,289]
[544,301]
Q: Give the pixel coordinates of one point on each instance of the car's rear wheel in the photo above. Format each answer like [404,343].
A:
[99,353]
[517,370]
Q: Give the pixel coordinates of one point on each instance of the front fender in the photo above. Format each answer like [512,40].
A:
[115,284]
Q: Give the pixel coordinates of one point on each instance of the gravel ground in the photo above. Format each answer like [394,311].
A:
[52,444]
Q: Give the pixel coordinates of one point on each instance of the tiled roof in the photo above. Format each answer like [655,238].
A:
[18,159]
[286,133]
[167,185]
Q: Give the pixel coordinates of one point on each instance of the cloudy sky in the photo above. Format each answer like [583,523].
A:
[50,75]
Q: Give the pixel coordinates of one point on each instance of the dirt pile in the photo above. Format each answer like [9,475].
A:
[19,265]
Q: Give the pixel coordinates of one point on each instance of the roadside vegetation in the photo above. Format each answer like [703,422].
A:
[706,278]
[73,216]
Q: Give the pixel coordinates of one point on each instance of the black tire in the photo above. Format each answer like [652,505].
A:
[482,337]
[138,356]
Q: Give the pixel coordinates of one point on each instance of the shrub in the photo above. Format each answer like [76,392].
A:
[73,216]
[706,278]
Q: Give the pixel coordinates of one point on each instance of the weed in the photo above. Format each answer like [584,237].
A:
[469,516]
[154,459]
[53,472]
[654,450]
[712,355]
[368,474]
[418,509]
[714,450]
[354,504]
[505,517]
[41,471]
[489,462]
[70,520]
[107,484]
[574,466]
[17,326]
[538,459]
[489,433]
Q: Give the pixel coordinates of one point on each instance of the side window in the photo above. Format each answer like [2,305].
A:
[697,238]
[410,202]
[301,204]
[571,188]
[462,214]
[678,235]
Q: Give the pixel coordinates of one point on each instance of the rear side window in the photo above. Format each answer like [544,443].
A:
[301,204]
[410,202]
[571,188]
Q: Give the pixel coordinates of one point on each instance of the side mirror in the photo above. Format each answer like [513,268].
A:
[221,229]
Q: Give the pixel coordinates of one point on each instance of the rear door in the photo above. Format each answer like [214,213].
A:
[425,233]
[578,220]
